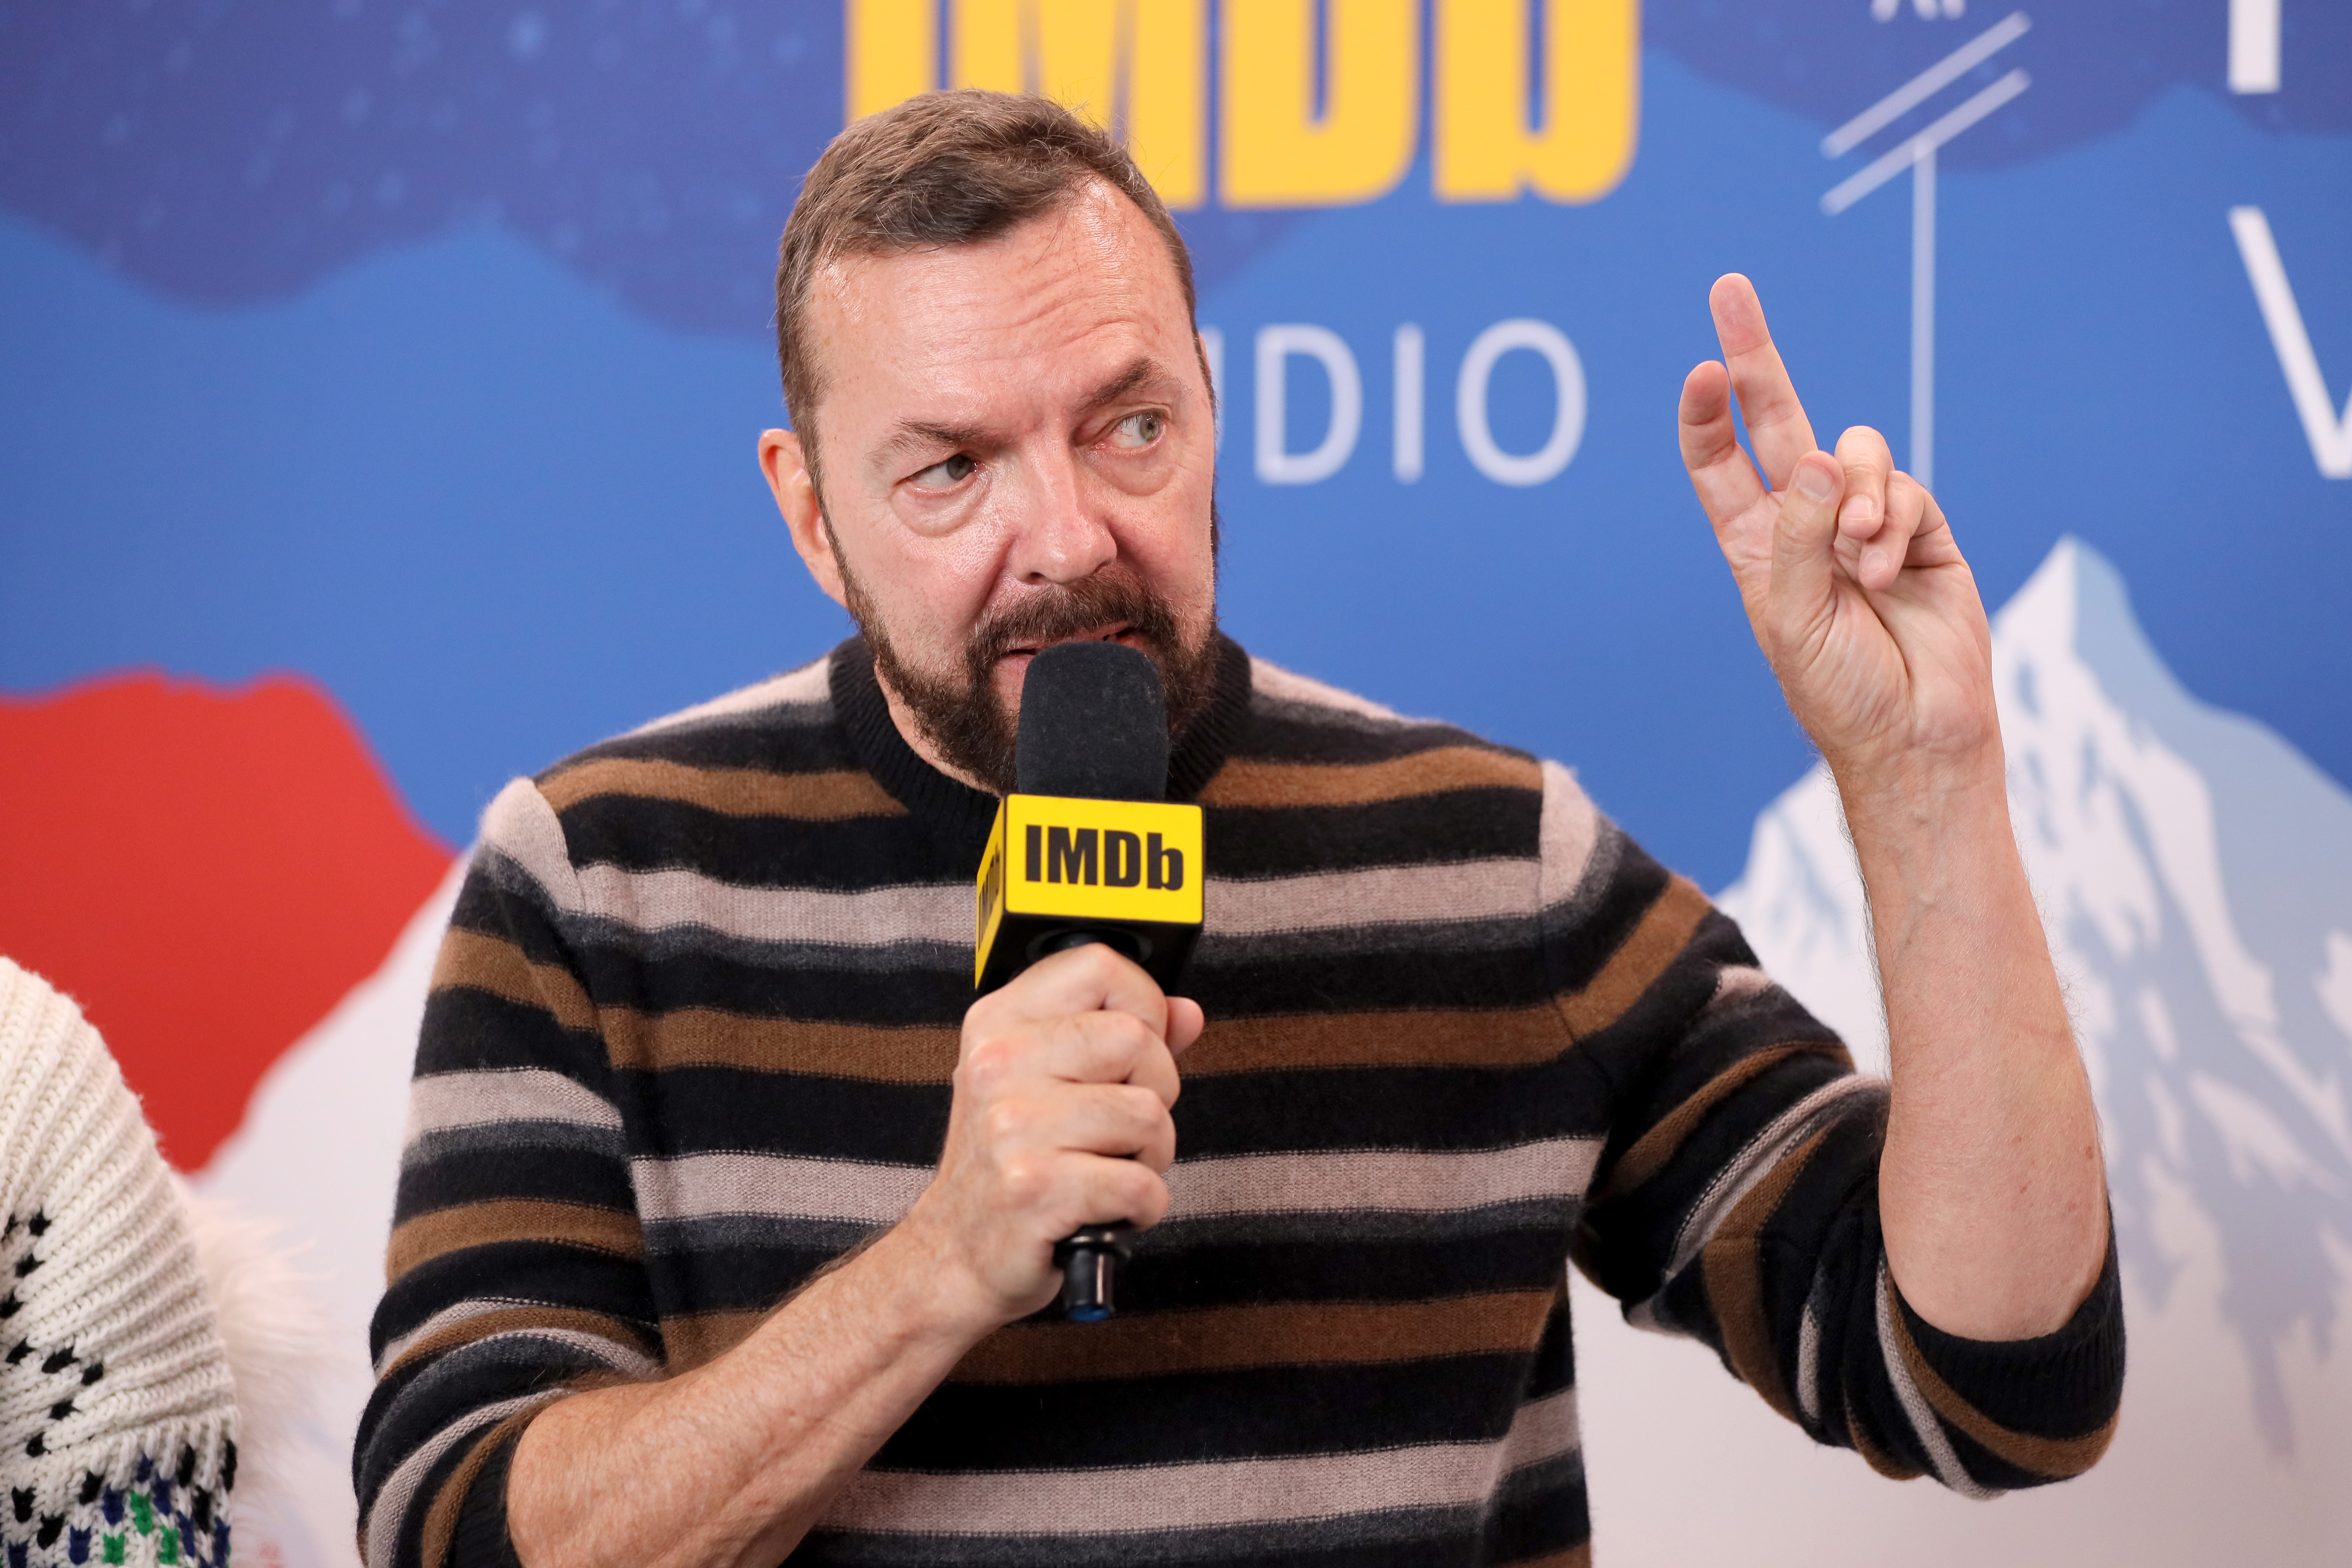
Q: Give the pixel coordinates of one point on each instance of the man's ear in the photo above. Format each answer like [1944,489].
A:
[785,462]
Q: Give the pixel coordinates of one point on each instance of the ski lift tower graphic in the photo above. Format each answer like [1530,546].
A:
[1918,154]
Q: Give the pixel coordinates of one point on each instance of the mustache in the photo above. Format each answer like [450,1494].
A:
[1059,613]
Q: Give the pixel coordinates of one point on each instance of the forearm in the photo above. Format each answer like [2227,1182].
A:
[1991,1190]
[730,1464]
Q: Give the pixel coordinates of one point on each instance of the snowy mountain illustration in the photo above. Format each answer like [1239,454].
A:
[2195,875]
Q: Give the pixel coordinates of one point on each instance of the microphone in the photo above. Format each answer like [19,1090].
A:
[1086,849]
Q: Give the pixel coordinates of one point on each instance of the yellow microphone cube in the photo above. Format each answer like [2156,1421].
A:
[1059,870]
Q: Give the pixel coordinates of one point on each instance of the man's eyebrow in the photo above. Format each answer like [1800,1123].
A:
[913,437]
[1142,372]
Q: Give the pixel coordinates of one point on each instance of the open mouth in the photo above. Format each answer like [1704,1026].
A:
[1118,632]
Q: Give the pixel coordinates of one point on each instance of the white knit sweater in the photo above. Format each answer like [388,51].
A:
[118,1420]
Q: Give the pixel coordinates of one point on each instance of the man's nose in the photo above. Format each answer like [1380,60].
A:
[1061,533]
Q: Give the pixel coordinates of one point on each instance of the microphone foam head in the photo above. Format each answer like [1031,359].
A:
[1093,724]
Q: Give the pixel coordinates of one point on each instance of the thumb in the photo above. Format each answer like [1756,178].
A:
[1804,566]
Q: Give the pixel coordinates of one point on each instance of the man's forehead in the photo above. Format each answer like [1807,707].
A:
[1089,280]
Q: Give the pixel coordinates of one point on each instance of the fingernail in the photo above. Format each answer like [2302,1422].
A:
[1856,512]
[1812,482]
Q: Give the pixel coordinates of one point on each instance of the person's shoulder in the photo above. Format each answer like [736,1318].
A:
[1299,723]
[755,751]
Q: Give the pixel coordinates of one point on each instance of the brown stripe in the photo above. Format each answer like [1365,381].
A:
[698,1339]
[512,1318]
[705,1037]
[1877,1458]
[1511,1036]
[1656,943]
[2056,1457]
[494,964]
[1653,1149]
[731,792]
[1285,1334]
[430,1236]
[1242,783]
[441,1518]
[1735,1279]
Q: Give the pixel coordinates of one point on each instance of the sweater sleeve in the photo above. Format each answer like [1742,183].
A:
[1736,1199]
[516,1268]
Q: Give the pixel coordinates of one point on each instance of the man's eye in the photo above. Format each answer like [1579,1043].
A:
[945,473]
[1139,429]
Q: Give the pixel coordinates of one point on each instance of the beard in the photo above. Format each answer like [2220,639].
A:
[959,713]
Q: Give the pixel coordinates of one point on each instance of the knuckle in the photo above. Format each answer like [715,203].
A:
[1005,1122]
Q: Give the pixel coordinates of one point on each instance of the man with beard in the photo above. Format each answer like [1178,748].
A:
[727,1216]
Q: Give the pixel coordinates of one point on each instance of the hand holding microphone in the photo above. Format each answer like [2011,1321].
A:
[1089,903]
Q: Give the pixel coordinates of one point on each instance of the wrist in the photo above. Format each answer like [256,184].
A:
[929,1284]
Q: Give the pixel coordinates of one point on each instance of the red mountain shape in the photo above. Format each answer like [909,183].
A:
[206,870]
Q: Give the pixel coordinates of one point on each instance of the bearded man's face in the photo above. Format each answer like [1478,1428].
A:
[1018,449]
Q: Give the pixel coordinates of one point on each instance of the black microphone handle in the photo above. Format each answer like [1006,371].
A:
[1089,1255]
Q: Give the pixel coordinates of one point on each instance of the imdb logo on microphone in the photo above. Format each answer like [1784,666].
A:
[1061,871]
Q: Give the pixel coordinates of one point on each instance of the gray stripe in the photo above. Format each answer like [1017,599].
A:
[442,1102]
[1569,833]
[1924,1421]
[1555,1215]
[753,1233]
[1216,1493]
[1763,1152]
[1437,938]
[512,1137]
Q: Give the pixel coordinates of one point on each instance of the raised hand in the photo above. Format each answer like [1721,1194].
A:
[1855,589]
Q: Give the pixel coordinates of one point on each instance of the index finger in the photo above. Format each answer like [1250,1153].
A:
[1777,425]
[1091,978]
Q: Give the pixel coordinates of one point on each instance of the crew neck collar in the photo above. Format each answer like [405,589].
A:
[961,814]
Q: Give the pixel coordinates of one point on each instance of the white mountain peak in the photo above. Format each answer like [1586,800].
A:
[2195,878]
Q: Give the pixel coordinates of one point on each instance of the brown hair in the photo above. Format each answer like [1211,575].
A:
[945,168]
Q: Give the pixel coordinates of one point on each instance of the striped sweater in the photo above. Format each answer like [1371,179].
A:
[691,1038]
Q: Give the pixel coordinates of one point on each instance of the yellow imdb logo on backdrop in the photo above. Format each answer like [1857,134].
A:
[1315,105]
[1059,870]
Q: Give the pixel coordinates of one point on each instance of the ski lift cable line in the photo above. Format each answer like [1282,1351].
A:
[1909,152]
[1933,79]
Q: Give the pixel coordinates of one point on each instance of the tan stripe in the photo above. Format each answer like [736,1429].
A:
[878,917]
[1284,1334]
[1735,1279]
[1382,1180]
[1877,1458]
[510,1319]
[1280,684]
[1639,960]
[1566,832]
[1653,1149]
[441,1518]
[430,1236]
[811,683]
[494,964]
[832,796]
[2056,1457]
[705,1037]
[441,1101]
[693,1186]
[1384,895]
[1240,782]
[1207,1495]
[1513,1037]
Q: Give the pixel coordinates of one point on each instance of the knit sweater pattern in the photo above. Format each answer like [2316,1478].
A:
[691,1034]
